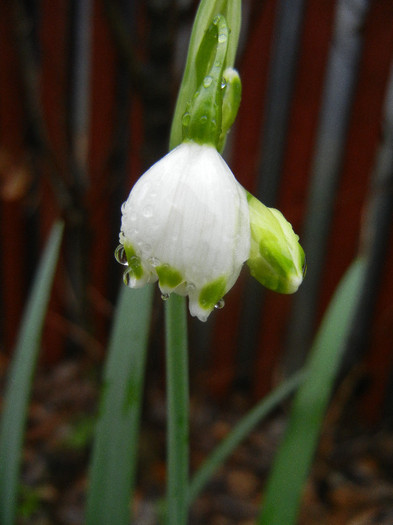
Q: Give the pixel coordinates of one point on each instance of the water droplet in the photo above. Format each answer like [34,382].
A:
[220,304]
[223,83]
[165,296]
[207,81]
[146,249]
[154,261]
[148,212]
[186,119]
[120,255]
[190,287]
[222,38]
[203,119]
[129,277]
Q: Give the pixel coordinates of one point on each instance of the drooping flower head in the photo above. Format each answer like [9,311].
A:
[187,223]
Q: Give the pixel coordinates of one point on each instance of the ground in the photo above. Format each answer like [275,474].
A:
[351,481]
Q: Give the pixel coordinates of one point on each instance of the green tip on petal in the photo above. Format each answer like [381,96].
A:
[276,260]
[169,278]
[134,262]
[212,293]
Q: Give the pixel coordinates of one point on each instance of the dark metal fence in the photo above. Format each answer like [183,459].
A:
[86,96]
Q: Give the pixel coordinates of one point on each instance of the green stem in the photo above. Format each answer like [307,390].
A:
[178,410]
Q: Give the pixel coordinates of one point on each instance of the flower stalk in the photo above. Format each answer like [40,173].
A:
[177,410]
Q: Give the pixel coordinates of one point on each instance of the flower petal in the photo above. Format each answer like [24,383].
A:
[187,220]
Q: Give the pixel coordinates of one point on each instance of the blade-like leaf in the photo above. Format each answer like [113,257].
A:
[293,461]
[20,377]
[242,430]
[112,473]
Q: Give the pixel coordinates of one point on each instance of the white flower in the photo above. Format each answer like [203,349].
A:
[186,223]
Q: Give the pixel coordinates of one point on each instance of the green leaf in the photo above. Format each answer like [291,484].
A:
[241,430]
[208,9]
[114,459]
[20,377]
[293,461]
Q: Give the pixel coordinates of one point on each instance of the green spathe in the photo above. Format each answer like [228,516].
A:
[276,258]
[202,121]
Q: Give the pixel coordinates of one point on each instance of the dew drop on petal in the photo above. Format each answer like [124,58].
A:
[146,249]
[120,255]
[148,212]
[190,287]
[220,304]
[153,261]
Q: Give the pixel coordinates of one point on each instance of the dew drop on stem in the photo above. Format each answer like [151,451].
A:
[207,81]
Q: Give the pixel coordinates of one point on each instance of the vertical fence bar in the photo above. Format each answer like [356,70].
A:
[339,88]
[303,121]
[282,70]
[377,231]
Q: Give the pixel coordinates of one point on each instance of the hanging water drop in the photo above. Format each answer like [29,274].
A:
[120,255]
[220,304]
[165,296]
[129,278]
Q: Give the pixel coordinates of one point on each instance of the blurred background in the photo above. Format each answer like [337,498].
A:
[87,91]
